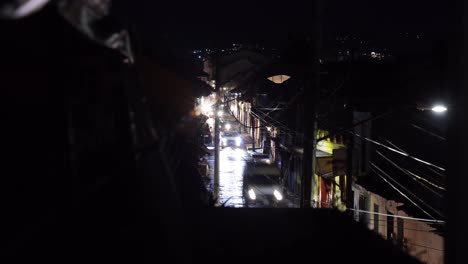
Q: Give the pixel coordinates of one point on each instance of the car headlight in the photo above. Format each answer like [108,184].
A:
[238,141]
[252,194]
[278,195]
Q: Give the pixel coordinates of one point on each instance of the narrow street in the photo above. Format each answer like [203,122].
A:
[232,164]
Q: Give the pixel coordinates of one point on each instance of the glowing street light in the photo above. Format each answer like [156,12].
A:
[206,108]
[220,113]
[227,126]
[210,121]
[439,109]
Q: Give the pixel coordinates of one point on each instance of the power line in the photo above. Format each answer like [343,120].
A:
[436,172]
[279,124]
[432,221]
[408,191]
[399,152]
[393,186]
[413,175]
[428,132]
[383,221]
[400,149]
[395,146]
[238,121]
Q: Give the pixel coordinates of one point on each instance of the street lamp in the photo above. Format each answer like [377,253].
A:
[439,109]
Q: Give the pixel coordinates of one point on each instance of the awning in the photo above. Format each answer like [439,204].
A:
[299,151]
[324,164]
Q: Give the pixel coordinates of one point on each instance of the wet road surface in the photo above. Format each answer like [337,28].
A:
[232,164]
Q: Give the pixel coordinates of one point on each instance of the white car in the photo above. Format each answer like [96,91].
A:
[230,139]
[261,185]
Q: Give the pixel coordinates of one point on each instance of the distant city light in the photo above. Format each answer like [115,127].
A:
[206,108]
[210,121]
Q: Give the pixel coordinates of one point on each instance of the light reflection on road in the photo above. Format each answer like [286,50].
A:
[232,163]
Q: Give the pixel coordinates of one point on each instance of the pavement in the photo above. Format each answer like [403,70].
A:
[232,164]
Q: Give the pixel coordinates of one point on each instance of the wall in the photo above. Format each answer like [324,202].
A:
[417,239]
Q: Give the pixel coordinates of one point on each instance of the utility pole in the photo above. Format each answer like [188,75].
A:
[349,162]
[311,93]
[252,124]
[216,137]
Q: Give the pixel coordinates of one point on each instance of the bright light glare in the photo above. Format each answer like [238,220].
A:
[252,194]
[227,126]
[220,113]
[238,141]
[439,109]
[278,195]
[241,152]
[206,108]
[29,7]
[210,121]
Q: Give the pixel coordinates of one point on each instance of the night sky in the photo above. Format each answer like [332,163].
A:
[208,22]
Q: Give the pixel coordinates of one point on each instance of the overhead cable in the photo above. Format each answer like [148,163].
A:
[399,216]
[399,152]
[374,167]
[409,173]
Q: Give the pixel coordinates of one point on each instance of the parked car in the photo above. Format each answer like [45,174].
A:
[261,185]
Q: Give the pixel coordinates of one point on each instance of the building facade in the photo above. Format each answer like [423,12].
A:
[415,237]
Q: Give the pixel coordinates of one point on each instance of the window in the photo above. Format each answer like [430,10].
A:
[390,226]
[363,206]
[376,218]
